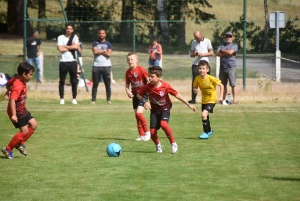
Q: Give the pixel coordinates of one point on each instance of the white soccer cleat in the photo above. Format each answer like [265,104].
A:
[62,101]
[159,148]
[141,138]
[113,81]
[174,148]
[147,136]
[74,102]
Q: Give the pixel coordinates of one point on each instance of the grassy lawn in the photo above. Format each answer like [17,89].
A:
[252,155]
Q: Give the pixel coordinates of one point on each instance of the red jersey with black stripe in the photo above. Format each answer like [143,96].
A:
[159,96]
[137,78]
[18,93]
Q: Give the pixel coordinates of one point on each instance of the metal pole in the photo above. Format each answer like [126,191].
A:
[133,36]
[244,45]
[63,11]
[277,30]
[24,30]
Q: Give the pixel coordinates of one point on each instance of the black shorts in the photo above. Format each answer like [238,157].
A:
[136,102]
[23,121]
[208,107]
[155,119]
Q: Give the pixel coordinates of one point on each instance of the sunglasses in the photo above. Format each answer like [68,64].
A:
[228,36]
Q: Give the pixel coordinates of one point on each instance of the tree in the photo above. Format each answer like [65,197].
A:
[15,17]
[42,15]
[162,16]
[267,24]
[126,16]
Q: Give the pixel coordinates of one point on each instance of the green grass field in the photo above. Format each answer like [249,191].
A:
[252,155]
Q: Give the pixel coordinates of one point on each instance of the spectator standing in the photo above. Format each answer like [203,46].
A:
[102,50]
[201,49]
[155,51]
[34,49]
[227,53]
[68,45]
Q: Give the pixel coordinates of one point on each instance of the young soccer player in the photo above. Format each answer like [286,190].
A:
[207,85]
[136,77]
[17,112]
[160,106]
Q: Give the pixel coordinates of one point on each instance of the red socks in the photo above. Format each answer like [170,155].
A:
[16,140]
[19,138]
[154,136]
[28,135]
[141,121]
[165,126]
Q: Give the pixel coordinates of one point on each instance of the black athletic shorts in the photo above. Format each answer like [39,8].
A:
[156,118]
[136,102]
[23,121]
[208,107]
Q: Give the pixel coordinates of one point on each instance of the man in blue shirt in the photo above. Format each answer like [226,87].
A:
[227,53]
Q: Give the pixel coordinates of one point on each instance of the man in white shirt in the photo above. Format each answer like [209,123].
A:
[201,49]
[68,45]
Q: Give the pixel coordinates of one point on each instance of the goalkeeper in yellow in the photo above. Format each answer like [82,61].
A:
[207,85]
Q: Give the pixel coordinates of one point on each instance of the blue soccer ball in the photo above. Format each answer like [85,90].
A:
[114,150]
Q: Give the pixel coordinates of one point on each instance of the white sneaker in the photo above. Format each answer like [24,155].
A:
[62,101]
[74,101]
[159,148]
[147,136]
[141,138]
[113,81]
[174,148]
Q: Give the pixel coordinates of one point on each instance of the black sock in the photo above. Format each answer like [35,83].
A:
[205,126]
[208,123]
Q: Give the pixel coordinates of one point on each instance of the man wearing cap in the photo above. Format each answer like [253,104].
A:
[201,49]
[227,53]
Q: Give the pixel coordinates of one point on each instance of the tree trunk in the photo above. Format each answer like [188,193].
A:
[162,16]
[15,17]
[181,26]
[266,29]
[42,15]
[70,10]
[126,27]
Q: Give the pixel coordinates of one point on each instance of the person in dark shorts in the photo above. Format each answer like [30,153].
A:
[136,77]
[17,112]
[160,106]
[207,84]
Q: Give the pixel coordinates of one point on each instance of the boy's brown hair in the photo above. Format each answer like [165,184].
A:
[25,68]
[155,70]
[204,63]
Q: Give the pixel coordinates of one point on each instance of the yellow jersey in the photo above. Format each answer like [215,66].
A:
[208,87]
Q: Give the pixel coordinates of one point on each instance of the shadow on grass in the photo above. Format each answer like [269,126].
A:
[283,178]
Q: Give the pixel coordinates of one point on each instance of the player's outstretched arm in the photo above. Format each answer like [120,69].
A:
[179,97]
[221,92]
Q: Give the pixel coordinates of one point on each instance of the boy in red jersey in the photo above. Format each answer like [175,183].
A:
[207,85]
[136,77]
[17,112]
[160,106]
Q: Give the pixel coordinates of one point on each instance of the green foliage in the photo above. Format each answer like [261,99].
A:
[288,38]
[67,159]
